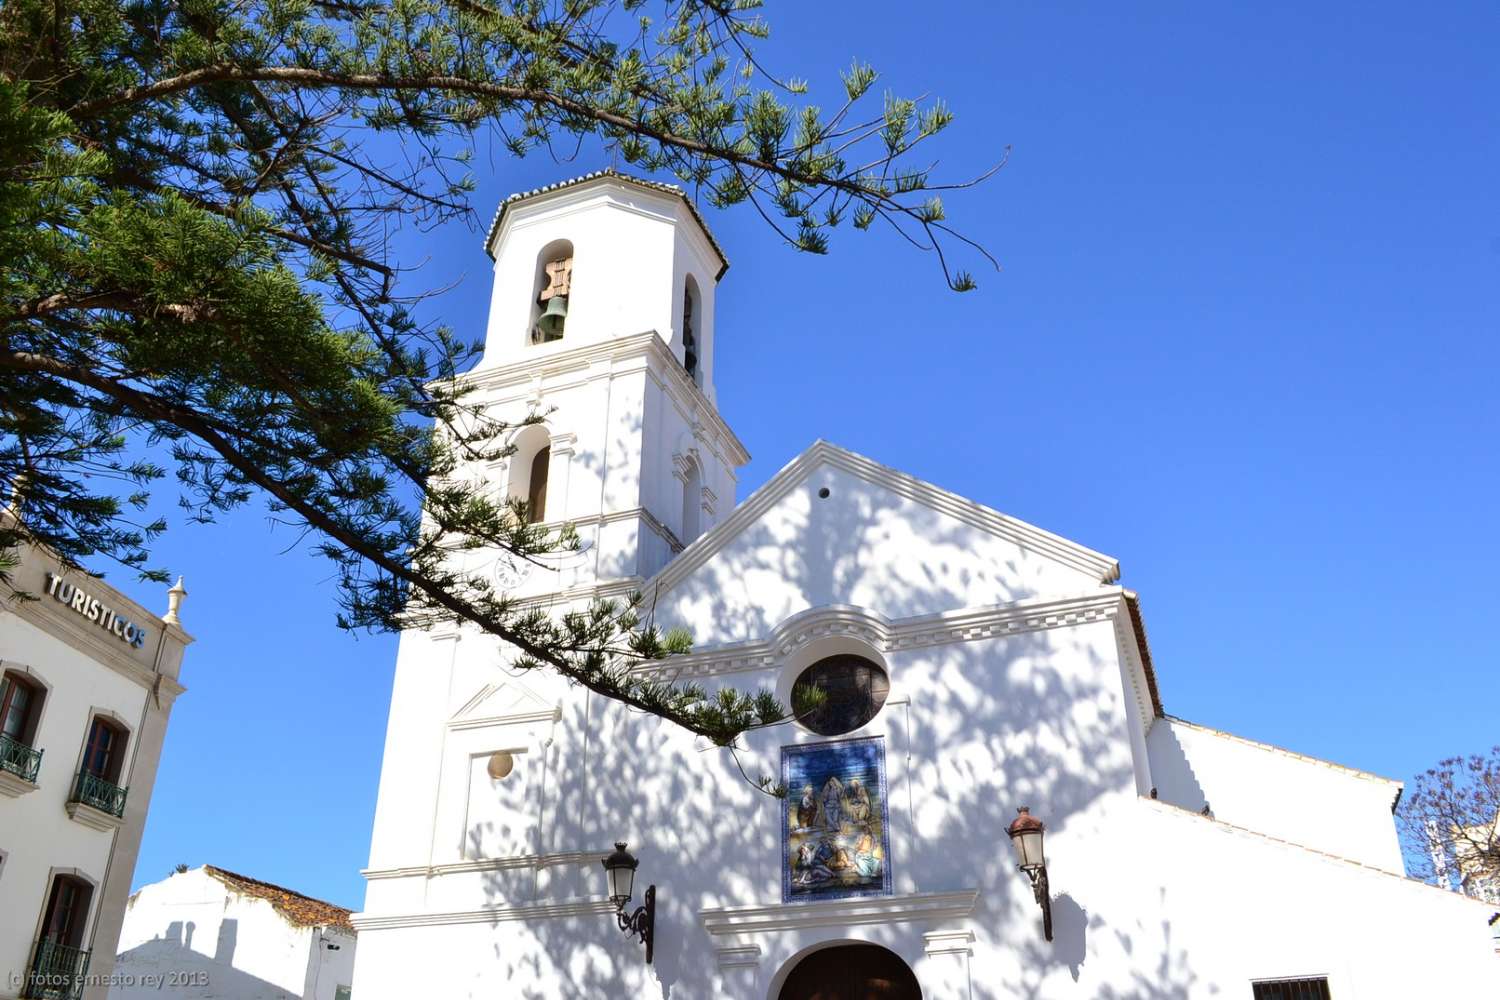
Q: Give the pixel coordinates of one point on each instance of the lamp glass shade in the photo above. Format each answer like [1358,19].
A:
[620,867]
[1028,845]
[621,883]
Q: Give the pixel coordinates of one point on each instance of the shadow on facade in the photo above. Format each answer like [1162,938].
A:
[168,966]
[991,725]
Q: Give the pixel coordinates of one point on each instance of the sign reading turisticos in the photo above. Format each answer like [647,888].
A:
[91,608]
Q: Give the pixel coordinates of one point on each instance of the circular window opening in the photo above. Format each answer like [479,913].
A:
[839,694]
[500,765]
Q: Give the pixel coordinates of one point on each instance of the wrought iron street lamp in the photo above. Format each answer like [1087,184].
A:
[1026,837]
[619,869]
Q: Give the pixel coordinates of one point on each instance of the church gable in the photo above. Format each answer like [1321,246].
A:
[834,528]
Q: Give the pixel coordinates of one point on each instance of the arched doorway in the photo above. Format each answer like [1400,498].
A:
[851,972]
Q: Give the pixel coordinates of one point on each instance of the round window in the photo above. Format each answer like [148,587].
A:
[839,694]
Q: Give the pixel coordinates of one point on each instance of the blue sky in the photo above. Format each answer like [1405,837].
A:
[1244,341]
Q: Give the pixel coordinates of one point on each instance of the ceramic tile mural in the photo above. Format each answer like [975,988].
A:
[834,836]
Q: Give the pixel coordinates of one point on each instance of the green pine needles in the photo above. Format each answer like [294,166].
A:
[197,281]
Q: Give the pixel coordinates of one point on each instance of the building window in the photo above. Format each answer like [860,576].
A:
[105,752]
[689,335]
[67,911]
[1292,989]
[553,292]
[20,705]
[60,960]
[341,993]
[839,694]
[530,465]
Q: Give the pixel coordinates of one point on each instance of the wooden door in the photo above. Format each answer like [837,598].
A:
[852,972]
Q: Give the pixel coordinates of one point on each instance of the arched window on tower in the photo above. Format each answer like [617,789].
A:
[529,468]
[552,292]
[692,502]
[690,313]
[536,488]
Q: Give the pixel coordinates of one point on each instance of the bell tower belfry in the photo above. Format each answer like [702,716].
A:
[602,319]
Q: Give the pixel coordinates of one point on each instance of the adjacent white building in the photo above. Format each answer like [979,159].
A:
[209,933]
[972,664]
[88,678]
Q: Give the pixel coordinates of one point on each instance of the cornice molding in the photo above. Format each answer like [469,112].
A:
[531,862]
[574,194]
[609,359]
[761,919]
[511,719]
[525,912]
[886,636]
[1140,687]
[1101,567]
[58,621]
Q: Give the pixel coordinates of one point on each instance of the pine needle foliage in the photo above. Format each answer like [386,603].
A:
[195,266]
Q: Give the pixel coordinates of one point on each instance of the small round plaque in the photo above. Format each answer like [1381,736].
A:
[500,765]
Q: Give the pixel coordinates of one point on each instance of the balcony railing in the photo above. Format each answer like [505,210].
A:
[92,790]
[19,759]
[57,972]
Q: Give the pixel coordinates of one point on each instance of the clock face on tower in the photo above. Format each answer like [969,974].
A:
[511,571]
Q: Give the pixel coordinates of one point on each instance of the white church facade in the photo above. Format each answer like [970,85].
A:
[973,664]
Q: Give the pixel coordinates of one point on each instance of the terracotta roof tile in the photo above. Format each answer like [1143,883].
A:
[304,911]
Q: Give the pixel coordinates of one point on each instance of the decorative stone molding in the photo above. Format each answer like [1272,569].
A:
[887,636]
[603,360]
[526,912]
[96,819]
[744,920]
[516,719]
[745,956]
[1097,565]
[949,942]
[14,785]
[534,862]
[1139,688]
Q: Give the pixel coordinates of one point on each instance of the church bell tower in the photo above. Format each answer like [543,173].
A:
[602,319]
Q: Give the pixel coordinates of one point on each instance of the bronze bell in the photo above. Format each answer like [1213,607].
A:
[551,322]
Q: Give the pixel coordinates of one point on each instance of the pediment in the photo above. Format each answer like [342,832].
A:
[502,703]
[835,528]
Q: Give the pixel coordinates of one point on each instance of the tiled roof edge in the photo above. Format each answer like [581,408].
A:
[300,909]
[650,185]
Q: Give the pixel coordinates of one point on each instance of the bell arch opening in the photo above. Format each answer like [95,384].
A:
[857,971]
[552,291]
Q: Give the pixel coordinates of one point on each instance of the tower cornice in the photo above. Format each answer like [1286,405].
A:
[586,362]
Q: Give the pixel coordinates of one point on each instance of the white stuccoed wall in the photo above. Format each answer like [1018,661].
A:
[1309,802]
[86,671]
[1150,900]
[190,936]
[1016,679]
